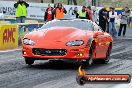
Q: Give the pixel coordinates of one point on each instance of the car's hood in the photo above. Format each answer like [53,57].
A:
[57,35]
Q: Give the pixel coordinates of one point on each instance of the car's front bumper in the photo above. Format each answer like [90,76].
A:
[79,53]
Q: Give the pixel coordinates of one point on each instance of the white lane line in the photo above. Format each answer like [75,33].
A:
[123,38]
[117,46]
[125,50]
[6,51]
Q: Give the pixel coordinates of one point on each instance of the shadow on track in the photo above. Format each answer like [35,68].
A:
[62,65]
[56,65]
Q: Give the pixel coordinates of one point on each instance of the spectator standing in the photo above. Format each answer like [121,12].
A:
[95,15]
[103,18]
[112,27]
[21,10]
[124,21]
[70,11]
[75,12]
[128,11]
[59,11]
[49,13]
[107,24]
[83,14]
[89,12]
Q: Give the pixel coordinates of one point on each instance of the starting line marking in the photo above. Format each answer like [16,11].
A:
[11,50]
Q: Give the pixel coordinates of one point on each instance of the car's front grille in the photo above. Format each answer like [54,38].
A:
[49,52]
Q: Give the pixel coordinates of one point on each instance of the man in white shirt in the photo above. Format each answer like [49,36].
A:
[112,27]
[124,21]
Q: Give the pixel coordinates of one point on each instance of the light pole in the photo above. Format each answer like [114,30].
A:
[75,2]
[94,2]
[42,1]
[70,2]
[52,1]
[98,2]
[90,2]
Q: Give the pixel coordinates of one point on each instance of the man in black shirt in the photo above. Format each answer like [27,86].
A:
[103,18]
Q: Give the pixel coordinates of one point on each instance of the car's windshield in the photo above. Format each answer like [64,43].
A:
[84,25]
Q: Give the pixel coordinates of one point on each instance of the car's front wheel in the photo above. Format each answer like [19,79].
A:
[29,61]
[89,61]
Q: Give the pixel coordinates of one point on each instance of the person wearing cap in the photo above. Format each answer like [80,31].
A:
[112,27]
[59,11]
[49,13]
[82,13]
[21,10]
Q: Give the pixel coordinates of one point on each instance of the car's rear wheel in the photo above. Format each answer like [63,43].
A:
[29,61]
[107,59]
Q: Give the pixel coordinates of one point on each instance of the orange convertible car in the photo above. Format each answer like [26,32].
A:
[74,39]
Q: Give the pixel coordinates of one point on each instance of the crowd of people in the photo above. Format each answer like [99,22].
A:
[58,11]
[106,18]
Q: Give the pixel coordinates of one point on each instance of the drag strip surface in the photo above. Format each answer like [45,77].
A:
[14,73]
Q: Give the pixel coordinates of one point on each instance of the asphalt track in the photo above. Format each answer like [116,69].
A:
[14,73]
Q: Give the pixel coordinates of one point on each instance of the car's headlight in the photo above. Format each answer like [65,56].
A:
[75,43]
[28,42]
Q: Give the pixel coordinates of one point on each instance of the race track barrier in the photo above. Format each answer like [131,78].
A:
[11,35]
[8,36]
[9,19]
[25,28]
